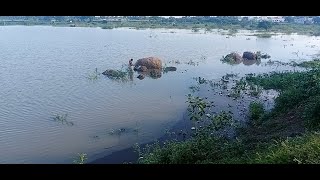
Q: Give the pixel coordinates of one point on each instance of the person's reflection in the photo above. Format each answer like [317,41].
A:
[130,72]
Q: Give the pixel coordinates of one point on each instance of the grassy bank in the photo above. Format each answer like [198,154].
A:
[286,134]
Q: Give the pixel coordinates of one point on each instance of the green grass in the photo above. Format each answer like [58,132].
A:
[256,111]
[270,138]
[298,150]
[310,64]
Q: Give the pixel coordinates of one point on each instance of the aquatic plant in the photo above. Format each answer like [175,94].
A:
[194,88]
[256,111]
[81,158]
[62,118]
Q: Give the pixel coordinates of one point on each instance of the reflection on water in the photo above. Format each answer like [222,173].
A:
[243,61]
[129,73]
[49,70]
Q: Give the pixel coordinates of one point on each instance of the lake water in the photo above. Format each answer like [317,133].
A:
[44,70]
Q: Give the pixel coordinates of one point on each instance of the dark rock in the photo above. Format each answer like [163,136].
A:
[265,56]
[235,56]
[149,63]
[141,76]
[170,69]
[249,55]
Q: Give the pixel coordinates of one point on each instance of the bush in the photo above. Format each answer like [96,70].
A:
[256,111]
[311,113]
[299,150]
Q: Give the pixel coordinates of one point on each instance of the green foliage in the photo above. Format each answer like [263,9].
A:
[294,87]
[81,158]
[310,64]
[193,151]
[265,25]
[256,111]
[298,150]
[197,107]
[311,113]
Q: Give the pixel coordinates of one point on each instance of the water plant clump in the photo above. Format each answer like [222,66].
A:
[62,118]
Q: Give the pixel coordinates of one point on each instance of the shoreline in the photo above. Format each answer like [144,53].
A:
[310,30]
[128,155]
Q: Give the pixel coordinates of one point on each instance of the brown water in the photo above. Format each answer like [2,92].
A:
[44,70]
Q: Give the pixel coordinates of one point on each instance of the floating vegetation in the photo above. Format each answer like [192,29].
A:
[191,62]
[194,88]
[115,74]
[63,119]
[200,80]
[170,68]
[118,131]
[119,75]
[195,29]
[137,128]
[81,158]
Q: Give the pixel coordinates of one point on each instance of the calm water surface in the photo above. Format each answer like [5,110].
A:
[44,70]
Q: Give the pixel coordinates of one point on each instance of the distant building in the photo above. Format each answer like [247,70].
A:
[299,20]
[275,19]
[303,20]
[278,19]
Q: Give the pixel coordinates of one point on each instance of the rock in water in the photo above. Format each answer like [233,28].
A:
[149,63]
[249,55]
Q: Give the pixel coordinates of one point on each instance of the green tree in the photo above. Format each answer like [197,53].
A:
[265,25]
[316,20]
[289,19]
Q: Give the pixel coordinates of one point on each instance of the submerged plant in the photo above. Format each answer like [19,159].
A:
[194,88]
[63,119]
[94,75]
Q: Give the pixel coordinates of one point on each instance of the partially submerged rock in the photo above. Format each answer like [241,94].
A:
[170,69]
[265,56]
[141,76]
[155,73]
[249,55]
[232,58]
[149,63]
[140,68]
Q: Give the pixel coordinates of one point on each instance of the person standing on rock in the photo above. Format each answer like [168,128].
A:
[131,62]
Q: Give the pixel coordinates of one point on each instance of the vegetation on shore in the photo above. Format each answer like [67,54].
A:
[286,134]
[230,23]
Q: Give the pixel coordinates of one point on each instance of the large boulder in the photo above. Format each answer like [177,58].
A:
[235,56]
[140,68]
[149,63]
[249,55]
[232,58]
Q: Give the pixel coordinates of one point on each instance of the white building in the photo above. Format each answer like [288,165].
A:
[277,19]
[303,20]
[299,20]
